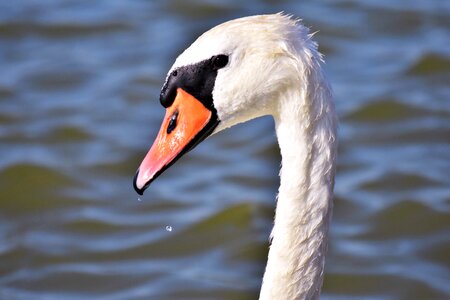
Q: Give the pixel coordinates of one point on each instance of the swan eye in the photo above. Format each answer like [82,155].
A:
[172,122]
[175,73]
[220,61]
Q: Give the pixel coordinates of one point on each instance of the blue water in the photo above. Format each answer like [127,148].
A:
[79,86]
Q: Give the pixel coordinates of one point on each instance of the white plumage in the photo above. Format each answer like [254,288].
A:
[275,69]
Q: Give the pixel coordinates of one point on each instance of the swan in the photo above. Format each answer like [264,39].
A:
[240,70]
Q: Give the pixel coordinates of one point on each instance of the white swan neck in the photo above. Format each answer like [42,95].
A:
[297,254]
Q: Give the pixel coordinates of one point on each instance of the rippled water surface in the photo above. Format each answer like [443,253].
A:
[79,85]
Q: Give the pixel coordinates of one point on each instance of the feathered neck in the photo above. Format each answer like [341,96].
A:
[306,130]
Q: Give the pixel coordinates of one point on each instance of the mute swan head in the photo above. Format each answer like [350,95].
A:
[240,70]
[232,73]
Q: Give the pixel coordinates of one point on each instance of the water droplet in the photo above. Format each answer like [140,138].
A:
[169,228]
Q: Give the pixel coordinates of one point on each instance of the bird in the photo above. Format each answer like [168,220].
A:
[244,69]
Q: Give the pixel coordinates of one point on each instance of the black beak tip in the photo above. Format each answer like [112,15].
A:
[138,190]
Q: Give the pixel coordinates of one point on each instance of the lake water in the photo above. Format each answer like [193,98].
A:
[79,86]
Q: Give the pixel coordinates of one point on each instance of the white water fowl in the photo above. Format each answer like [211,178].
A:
[241,70]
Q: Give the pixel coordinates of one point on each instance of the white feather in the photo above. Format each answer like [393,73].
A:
[275,69]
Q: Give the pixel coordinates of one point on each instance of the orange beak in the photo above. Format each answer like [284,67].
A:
[186,123]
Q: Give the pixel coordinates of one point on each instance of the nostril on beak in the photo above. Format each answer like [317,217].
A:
[172,122]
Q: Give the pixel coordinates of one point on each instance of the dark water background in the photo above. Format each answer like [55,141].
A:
[79,85]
